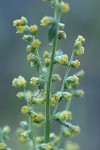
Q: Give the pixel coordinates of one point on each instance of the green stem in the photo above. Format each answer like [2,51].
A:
[32,135]
[40,64]
[48,91]
[30,123]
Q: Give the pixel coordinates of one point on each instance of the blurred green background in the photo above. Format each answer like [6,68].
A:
[83,19]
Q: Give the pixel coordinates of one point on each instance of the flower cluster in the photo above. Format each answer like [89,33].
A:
[44,83]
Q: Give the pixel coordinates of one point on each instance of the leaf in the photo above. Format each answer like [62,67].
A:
[52,31]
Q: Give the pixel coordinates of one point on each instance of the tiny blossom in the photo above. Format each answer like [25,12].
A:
[33,80]
[33,29]
[61,35]
[65,7]
[2,146]
[37,117]
[36,43]
[75,64]
[46,21]
[72,146]
[25,110]
[62,25]
[47,62]
[67,95]
[19,82]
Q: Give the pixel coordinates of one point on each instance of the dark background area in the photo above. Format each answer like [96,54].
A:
[83,19]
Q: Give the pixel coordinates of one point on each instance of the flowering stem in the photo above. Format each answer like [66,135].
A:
[48,91]
[68,103]
[30,123]
[62,87]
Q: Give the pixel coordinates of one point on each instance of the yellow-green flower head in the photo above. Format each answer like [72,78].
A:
[78,93]
[67,96]
[72,146]
[23,21]
[3,146]
[81,38]
[52,102]
[75,64]
[47,62]
[64,115]
[64,7]
[63,59]
[56,77]
[80,74]
[30,57]
[61,26]
[20,95]
[56,97]
[45,146]
[21,29]
[6,129]
[36,43]
[25,135]
[33,29]
[46,21]
[25,110]
[73,79]
[76,130]
[18,22]
[19,82]
[46,54]
[34,80]
[61,35]
[37,117]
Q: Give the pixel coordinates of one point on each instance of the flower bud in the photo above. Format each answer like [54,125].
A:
[25,134]
[3,146]
[46,21]
[61,35]
[63,59]
[32,58]
[27,38]
[61,26]
[21,95]
[78,93]
[47,62]
[37,117]
[64,115]
[67,96]
[45,146]
[64,7]
[24,125]
[33,29]
[72,146]
[19,82]
[80,74]
[56,77]
[36,43]
[34,80]
[75,64]
[6,129]
[72,79]
[25,110]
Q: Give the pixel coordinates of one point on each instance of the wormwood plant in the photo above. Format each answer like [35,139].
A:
[42,94]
